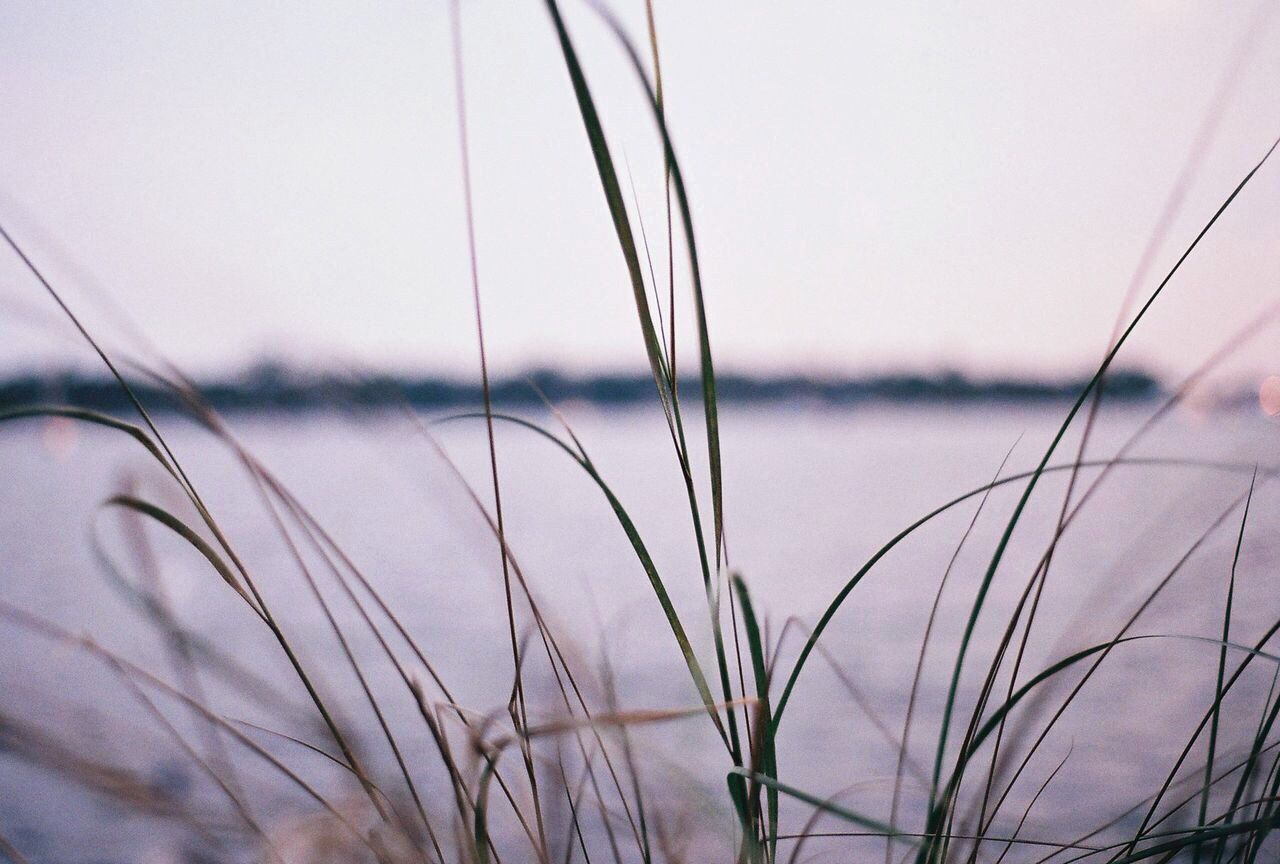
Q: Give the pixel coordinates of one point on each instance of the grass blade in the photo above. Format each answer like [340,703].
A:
[642,552]
[1216,708]
[764,752]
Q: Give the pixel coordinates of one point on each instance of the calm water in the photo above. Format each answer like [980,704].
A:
[810,495]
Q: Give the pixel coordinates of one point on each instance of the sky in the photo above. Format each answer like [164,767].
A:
[874,186]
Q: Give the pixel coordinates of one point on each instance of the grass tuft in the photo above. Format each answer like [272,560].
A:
[383,762]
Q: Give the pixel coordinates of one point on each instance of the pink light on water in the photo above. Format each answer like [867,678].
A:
[1269,395]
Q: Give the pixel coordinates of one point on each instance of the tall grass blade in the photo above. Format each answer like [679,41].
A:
[481,833]
[626,241]
[1216,708]
[707,367]
[469,209]
[1031,483]
[764,752]
[642,553]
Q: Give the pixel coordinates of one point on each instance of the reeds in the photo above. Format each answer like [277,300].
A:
[582,788]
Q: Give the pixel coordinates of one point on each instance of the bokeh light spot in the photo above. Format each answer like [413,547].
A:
[1269,395]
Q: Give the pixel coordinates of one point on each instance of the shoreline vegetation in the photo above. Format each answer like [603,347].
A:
[372,749]
[274,387]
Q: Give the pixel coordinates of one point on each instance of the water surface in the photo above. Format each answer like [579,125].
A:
[810,494]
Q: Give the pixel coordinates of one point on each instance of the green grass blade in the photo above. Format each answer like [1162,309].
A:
[1248,773]
[913,693]
[1197,837]
[659,100]
[1013,838]
[481,823]
[642,553]
[765,751]
[612,193]
[626,241]
[998,555]
[838,601]
[993,721]
[826,806]
[1216,708]
[707,367]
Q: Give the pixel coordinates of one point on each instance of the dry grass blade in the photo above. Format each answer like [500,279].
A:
[469,209]
[48,629]
[11,851]
[177,526]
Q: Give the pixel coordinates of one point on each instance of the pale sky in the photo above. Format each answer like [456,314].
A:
[873,185]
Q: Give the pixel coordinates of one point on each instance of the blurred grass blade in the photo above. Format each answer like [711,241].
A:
[11,851]
[177,526]
[481,832]
[95,417]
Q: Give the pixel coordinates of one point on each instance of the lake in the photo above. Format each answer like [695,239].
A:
[810,494]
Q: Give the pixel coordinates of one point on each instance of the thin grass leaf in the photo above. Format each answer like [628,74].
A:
[659,101]
[177,526]
[1216,708]
[847,588]
[1014,518]
[1186,751]
[455,18]
[95,417]
[626,241]
[827,806]
[765,750]
[707,367]
[993,721]
[924,647]
[169,461]
[1248,774]
[641,551]
[42,626]
[1013,838]
[233,795]
[1128,624]
[481,832]
[348,655]
[1199,836]
[613,194]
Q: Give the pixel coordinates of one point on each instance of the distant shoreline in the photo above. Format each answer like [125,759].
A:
[276,388]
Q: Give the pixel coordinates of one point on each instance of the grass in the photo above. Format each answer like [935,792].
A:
[510,785]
